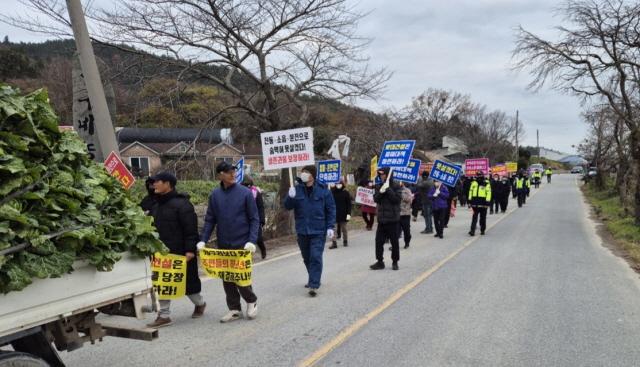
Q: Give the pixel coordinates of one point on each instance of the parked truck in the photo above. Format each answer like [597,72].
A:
[60,313]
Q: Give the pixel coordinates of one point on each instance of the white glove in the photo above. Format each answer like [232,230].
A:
[200,245]
[292,192]
[348,217]
[330,233]
[384,187]
[250,247]
[436,193]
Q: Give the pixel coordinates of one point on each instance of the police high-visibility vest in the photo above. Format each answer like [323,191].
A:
[477,191]
[537,174]
[547,172]
[519,183]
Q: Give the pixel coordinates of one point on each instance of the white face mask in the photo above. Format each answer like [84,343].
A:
[305,177]
[338,186]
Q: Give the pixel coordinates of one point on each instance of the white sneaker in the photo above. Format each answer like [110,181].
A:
[231,316]
[252,310]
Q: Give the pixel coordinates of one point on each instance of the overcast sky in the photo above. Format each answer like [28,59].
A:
[462,45]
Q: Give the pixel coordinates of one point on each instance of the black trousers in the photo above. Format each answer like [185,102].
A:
[390,231]
[369,218]
[234,292]
[447,212]
[438,220]
[260,243]
[495,205]
[482,212]
[405,227]
[522,197]
[504,202]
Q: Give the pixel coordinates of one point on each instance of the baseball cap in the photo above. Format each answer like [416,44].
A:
[225,167]
[165,177]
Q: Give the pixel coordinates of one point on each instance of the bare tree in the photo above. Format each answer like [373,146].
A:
[598,56]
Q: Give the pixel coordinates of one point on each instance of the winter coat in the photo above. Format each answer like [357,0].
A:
[342,199]
[467,186]
[147,203]
[424,185]
[233,212]
[388,203]
[406,200]
[177,224]
[314,209]
[502,189]
[257,194]
[441,201]
[478,187]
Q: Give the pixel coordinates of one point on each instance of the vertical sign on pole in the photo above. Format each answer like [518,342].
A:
[240,171]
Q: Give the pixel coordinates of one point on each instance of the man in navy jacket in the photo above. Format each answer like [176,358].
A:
[315,213]
[233,210]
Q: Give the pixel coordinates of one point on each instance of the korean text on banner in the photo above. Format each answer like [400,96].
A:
[512,167]
[169,275]
[499,169]
[240,171]
[408,174]
[472,166]
[396,153]
[117,169]
[329,171]
[446,173]
[364,196]
[229,265]
[287,148]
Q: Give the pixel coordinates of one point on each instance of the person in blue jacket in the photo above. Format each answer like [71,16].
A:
[315,214]
[232,211]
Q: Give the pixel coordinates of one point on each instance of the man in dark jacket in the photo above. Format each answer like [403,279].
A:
[257,194]
[232,211]
[177,224]
[494,206]
[147,203]
[342,198]
[315,213]
[424,185]
[504,189]
[480,199]
[387,196]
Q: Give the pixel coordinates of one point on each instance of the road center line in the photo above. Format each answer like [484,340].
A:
[353,328]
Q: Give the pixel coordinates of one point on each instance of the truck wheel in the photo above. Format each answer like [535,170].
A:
[17,359]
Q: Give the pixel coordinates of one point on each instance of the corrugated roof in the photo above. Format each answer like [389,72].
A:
[162,135]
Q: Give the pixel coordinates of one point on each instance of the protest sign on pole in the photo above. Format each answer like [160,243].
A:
[329,171]
[499,169]
[408,174]
[240,170]
[287,149]
[116,168]
[446,173]
[229,265]
[512,167]
[471,166]
[168,275]
[396,153]
[364,196]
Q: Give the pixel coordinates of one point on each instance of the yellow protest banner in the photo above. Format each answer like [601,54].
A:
[169,275]
[512,167]
[374,167]
[229,265]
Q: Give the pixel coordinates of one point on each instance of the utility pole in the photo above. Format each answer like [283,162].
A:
[538,143]
[103,127]
[517,122]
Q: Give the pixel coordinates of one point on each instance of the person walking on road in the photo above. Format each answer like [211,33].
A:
[342,198]
[257,195]
[462,195]
[368,212]
[495,205]
[233,213]
[387,197]
[480,199]
[521,189]
[405,213]
[177,224]
[512,181]
[315,215]
[537,178]
[440,204]
[424,185]
[504,189]
[548,172]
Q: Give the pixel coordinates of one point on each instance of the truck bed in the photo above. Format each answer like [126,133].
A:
[46,300]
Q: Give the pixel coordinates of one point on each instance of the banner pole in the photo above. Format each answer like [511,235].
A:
[390,173]
[290,177]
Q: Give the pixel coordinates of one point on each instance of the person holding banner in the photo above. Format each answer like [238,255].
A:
[368,212]
[315,214]
[480,199]
[233,213]
[440,203]
[342,198]
[177,224]
[387,197]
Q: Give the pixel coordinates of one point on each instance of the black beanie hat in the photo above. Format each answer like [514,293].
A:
[311,169]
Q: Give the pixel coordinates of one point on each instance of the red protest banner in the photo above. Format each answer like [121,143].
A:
[471,166]
[117,169]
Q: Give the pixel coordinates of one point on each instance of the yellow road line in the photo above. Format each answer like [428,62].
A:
[353,328]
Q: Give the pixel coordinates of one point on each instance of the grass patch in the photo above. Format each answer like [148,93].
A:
[622,227]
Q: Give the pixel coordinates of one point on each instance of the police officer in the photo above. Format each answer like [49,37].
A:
[537,177]
[548,172]
[480,199]
[521,188]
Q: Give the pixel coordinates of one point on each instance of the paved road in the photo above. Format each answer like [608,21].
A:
[537,290]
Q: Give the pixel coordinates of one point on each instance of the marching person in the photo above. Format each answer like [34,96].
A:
[504,189]
[466,187]
[416,204]
[315,214]
[257,195]
[368,212]
[480,199]
[495,181]
[537,178]
[548,172]
[521,188]
[424,185]
[462,195]
[233,213]
[342,199]
[177,224]
[527,185]
[405,213]
[512,181]
[387,197]
[441,205]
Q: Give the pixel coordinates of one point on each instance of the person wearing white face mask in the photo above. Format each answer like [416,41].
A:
[342,198]
[315,214]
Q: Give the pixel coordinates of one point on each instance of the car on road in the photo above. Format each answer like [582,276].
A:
[593,171]
[577,169]
[536,167]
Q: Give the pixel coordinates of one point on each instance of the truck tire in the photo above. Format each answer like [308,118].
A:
[18,359]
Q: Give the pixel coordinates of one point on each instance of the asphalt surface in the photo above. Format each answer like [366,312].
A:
[538,290]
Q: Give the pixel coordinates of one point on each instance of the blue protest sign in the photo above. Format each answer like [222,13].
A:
[446,173]
[396,153]
[329,171]
[240,170]
[409,173]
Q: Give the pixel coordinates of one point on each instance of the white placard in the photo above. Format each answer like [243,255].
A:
[287,148]
[364,196]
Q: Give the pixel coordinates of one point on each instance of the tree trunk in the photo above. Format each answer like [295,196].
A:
[635,153]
